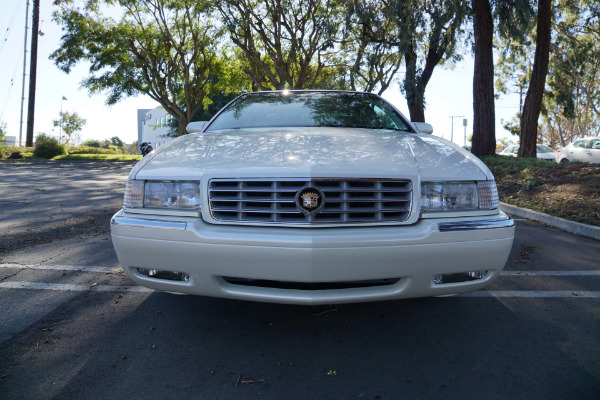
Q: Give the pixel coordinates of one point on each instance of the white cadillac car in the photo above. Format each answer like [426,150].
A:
[583,150]
[311,197]
[542,152]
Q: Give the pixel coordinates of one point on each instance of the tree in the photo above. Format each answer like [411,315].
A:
[285,43]
[2,132]
[513,67]
[425,34]
[133,147]
[571,107]
[510,19]
[484,125]
[371,62]
[115,141]
[218,101]
[573,82]
[165,49]
[70,124]
[535,93]
[441,25]
[92,143]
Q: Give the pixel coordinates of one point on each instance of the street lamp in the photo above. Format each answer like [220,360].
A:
[61,119]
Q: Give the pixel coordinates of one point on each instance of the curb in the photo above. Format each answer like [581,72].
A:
[577,228]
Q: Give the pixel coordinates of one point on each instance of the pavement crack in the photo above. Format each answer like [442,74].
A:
[8,276]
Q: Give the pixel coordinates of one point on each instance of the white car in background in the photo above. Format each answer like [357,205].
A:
[542,151]
[311,197]
[584,150]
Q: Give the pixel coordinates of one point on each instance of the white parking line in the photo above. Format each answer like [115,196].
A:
[104,288]
[535,294]
[107,270]
[71,288]
[551,273]
[76,268]
[570,294]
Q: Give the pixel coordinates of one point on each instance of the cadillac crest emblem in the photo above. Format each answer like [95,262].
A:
[310,200]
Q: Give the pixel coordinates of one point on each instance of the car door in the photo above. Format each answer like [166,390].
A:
[594,151]
[579,151]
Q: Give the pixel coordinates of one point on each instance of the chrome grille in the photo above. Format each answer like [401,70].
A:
[346,200]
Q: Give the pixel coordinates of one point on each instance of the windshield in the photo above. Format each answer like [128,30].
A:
[337,109]
[544,149]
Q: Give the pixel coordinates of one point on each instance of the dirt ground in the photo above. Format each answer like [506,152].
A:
[569,191]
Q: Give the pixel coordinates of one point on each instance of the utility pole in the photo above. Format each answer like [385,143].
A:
[24,73]
[61,119]
[465,137]
[33,72]
[452,129]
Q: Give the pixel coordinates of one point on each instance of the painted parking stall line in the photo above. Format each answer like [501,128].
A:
[564,294]
[108,270]
[551,273]
[74,268]
[555,294]
[22,285]
[71,288]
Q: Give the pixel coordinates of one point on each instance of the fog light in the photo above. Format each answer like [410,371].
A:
[459,277]
[165,275]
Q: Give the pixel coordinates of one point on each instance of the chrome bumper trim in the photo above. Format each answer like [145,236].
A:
[476,225]
[149,223]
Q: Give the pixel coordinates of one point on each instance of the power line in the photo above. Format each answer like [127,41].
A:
[9,90]
[10,25]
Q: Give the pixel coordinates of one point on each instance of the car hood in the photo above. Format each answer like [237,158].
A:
[311,152]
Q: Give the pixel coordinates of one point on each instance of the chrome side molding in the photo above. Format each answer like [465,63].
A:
[148,223]
[507,222]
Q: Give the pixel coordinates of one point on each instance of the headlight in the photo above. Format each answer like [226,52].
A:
[459,196]
[178,195]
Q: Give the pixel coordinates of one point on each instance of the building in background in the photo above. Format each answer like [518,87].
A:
[10,141]
[153,127]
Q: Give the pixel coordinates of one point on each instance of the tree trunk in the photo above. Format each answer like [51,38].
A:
[484,124]
[182,123]
[535,93]
[415,96]
[416,110]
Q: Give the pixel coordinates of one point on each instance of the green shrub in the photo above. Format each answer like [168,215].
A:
[118,149]
[15,152]
[48,147]
[16,155]
[5,151]
[92,143]
[89,150]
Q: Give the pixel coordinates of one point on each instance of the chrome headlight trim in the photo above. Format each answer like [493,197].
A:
[162,195]
[459,196]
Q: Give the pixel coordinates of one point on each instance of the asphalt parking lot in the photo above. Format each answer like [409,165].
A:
[74,327]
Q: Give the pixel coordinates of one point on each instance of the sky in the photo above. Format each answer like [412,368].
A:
[449,92]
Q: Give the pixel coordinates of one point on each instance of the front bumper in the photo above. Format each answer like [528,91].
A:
[224,260]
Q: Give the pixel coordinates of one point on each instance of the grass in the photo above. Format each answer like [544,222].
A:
[570,191]
[99,157]
[77,154]
[515,165]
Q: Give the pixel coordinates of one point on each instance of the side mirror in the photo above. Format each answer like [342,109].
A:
[423,127]
[195,127]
